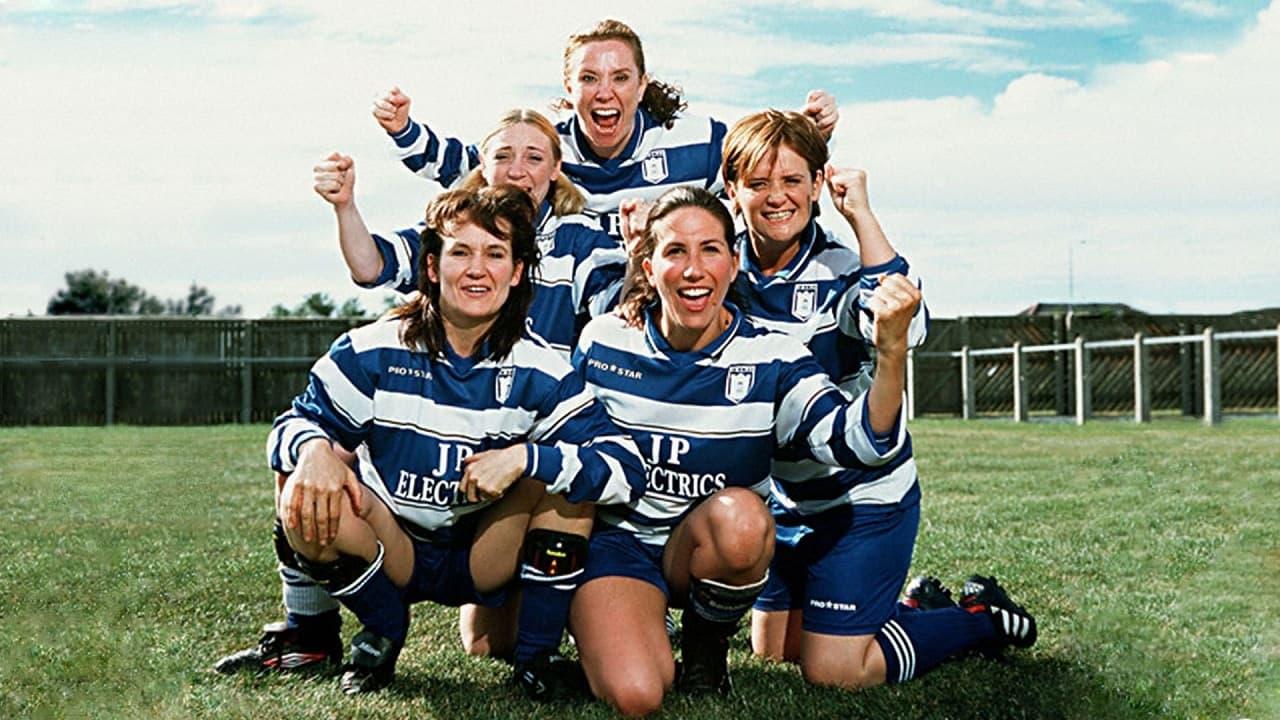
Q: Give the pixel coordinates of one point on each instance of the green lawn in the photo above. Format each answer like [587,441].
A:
[131,558]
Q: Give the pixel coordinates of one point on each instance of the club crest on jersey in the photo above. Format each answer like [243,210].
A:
[739,382]
[804,300]
[654,168]
[502,383]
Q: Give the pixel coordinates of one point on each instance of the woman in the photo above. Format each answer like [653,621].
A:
[627,137]
[469,435]
[581,266]
[709,396]
[579,273]
[845,536]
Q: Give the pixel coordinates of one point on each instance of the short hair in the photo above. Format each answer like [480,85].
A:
[565,197]
[503,211]
[755,136]
[663,101]
[639,292]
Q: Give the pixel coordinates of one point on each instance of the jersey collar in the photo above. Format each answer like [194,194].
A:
[751,265]
[659,345]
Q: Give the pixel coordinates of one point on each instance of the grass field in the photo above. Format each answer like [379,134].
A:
[131,558]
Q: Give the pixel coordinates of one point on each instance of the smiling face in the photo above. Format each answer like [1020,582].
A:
[691,268]
[605,86]
[521,155]
[776,197]
[475,271]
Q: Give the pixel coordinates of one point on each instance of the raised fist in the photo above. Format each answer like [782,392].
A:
[391,110]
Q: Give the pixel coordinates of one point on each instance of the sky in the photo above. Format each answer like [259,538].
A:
[1018,151]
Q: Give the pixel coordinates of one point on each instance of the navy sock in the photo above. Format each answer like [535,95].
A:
[915,642]
[544,612]
[369,594]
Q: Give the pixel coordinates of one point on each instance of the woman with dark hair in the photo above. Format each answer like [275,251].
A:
[474,441]
[709,396]
[580,269]
[846,535]
[628,136]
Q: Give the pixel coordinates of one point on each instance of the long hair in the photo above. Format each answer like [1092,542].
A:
[662,100]
[565,197]
[639,292]
[503,211]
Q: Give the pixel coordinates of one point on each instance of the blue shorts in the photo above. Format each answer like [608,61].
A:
[615,552]
[442,572]
[842,568]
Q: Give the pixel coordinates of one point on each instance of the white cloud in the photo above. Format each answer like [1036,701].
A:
[184,153]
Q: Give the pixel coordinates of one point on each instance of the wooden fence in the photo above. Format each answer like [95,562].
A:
[105,370]
[169,371]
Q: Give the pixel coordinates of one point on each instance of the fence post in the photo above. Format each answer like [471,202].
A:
[1083,391]
[966,384]
[1019,384]
[1141,380]
[1212,381]
[911,384]
[1059,367]
[1278,370]
[248,350]
[110,410]
[1186,371]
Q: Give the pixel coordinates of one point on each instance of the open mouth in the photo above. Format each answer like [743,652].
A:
[695,299]
[475,290]
[779,216]
[606,119]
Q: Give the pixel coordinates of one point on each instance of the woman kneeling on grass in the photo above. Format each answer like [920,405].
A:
[709,396]
[473,442]
[845,536]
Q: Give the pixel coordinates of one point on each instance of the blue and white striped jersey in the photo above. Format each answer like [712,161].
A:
[819,298]
[578,278]
[420,416]
[713,418]
[656,159]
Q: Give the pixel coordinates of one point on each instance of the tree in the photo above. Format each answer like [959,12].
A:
[320,305]
[89,292]
[199,301]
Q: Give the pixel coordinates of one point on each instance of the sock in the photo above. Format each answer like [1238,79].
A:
[915,642]
[549,575]
[366,591]
[307,606]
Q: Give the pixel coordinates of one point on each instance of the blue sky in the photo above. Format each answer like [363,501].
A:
[171,142]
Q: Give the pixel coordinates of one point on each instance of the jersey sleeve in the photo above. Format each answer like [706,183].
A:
[856,319]
[715,181]
[337,405]
[442,159]
[577,450]
[823,424]
[599,264]
[400,253]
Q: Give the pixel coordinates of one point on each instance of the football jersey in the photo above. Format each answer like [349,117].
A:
[419,417]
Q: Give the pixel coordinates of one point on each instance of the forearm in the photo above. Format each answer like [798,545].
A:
[358,249]
[873,246]
[884,397]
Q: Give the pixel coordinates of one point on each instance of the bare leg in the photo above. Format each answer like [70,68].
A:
[776,635]
[622,640]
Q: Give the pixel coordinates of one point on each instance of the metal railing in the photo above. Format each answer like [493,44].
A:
[1211,379]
